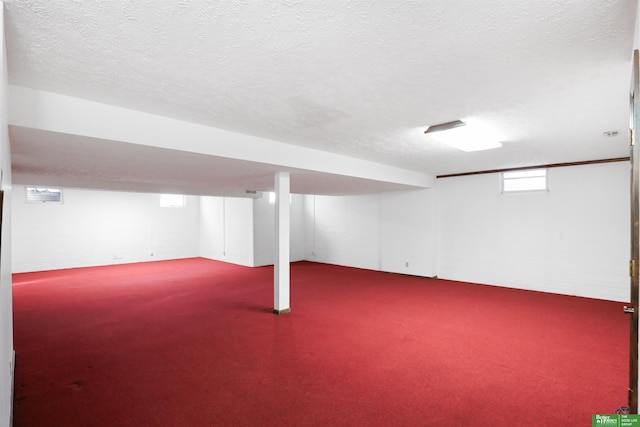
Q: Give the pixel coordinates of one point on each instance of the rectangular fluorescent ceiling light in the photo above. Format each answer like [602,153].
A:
[445,126]
[463,137]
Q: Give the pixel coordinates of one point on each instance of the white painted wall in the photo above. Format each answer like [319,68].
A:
[226,229]
[343,230]
[211,239]
[6,310]
[264,231]
[573,239]
[241,230]
[393,232]
[100,227]
[408,232]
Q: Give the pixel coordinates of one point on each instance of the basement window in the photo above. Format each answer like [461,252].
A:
[43,195]
[272,198]
[172,201]
[524,180]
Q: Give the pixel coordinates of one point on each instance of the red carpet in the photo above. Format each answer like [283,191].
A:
[193,343]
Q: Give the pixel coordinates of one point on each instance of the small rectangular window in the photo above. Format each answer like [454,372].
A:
[43,195]
[524,180]
[272,198]
[172,201]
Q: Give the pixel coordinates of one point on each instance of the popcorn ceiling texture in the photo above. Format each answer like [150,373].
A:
[360,78]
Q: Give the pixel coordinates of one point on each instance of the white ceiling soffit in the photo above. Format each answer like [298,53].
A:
[361,79]
[66,160]
[61,114]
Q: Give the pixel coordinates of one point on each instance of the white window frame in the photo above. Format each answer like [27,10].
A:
[524,181]
[28,190]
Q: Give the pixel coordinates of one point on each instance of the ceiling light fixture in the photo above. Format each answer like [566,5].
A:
[474,137]
[445,126]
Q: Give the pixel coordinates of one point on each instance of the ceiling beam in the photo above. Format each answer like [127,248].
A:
[64,114]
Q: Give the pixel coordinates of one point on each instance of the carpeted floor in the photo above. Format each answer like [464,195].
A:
[193,343]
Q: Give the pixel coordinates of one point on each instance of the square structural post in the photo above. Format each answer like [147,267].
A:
[281,279]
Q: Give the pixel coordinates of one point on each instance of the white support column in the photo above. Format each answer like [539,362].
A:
[281,280]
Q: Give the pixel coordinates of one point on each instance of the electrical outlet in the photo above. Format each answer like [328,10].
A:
[406,264]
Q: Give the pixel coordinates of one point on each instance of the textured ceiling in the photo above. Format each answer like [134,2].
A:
[359,78]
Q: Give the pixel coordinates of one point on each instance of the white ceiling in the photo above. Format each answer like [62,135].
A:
[358,78]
